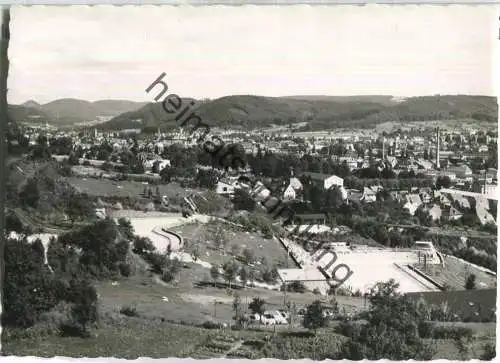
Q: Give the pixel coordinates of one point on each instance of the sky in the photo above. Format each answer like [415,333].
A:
[110,52]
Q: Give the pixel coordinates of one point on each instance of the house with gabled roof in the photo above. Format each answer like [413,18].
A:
[289,193]
[425,196]
[325,180]
[452,214]
[462,201]
[435,212]
[296,184]
[413,201]
[369,196]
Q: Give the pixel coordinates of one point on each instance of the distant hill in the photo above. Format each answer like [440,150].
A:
[382,99]
[31,104]
[321,112]
[150,115]
[69,111]
[18,114]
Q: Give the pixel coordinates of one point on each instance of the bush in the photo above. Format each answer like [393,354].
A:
[167,276]
[297,286]
[29,288]
[211,325]
[143,245]
[73,330]
[452,332]
[129,311]
[125,269]
[157,262]
[426,330]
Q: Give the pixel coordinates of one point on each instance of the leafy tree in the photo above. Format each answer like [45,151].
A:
[243,276]
[101,250]
[29,287]
[62,259]
[392,330]
[219,238]
[257,306]
[243,200]
[13,223]
[248,255]
[167,174]
[489,352]
[79,207]
[195,252]
[39,251]
[143,245]
[206,179]
[230,271]
[238,313]
[443,182]
[84,297]
[314,318]
[214,273]
[297,286]
[157,261]
[126,228]
[470,283]
[30,193]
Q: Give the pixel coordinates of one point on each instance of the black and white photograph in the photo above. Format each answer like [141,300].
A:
[250,182]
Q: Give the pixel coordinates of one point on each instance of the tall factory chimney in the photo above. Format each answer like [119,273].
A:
[383,148]
[438,141]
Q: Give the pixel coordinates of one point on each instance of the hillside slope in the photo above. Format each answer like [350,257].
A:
[19,114]
[69,111]
[322,112]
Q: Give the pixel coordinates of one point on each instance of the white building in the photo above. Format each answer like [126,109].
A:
[325,180]
[289,193]
[225,187]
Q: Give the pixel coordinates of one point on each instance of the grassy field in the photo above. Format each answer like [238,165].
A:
[134,338]
[270,249]
[106,188]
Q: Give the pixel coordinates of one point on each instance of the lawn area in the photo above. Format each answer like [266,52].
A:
[270,249]
[132,189]
[190,303]
[134,338]
[447,349]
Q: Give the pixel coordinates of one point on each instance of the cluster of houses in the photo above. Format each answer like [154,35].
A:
[444,204]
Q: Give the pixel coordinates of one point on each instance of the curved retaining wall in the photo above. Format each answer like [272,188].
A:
[168,235]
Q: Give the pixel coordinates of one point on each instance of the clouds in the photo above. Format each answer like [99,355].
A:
[108,51]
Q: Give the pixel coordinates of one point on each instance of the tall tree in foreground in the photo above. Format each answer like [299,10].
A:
[392,329]
[256,306]
[470,283]
[214,273]
[314,317]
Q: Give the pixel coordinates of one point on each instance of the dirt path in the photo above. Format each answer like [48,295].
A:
[36,225]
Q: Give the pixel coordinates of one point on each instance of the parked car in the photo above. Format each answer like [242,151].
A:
[327,313]
[268,319]
[278,318]
[284,314]
[254,318]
